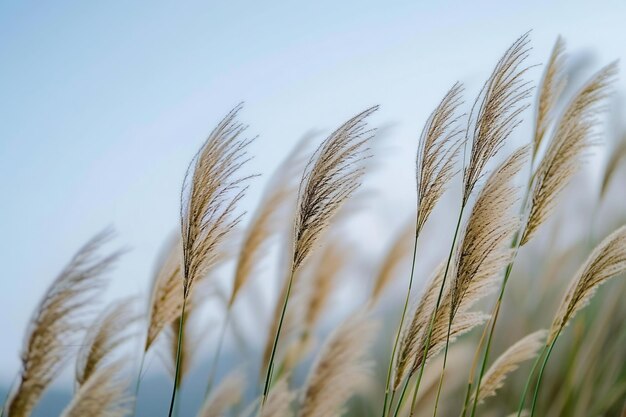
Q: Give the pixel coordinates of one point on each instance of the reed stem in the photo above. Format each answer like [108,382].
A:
[528,381]
[432,319]
[270,365]
[181,331]
[543,367]
[402,317]
[141,363]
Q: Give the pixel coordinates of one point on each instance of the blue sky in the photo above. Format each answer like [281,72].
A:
[102,104]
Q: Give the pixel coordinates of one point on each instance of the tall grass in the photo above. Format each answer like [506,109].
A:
[504,218]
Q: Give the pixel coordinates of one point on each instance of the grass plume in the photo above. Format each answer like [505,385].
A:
[58,322]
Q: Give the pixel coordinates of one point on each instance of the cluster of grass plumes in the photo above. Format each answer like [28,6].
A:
[421,362]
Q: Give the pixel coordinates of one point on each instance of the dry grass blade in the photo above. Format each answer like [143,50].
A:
[166,301]
[572,139]
[225,395]
[439,146]
[525,349]
[264,225]
[340,368]
[617,156]
[209,196]
[279,401]
[550,89]
[103,395]
[414,331]
[496,111]
[331,177]
[398,252]
[607,260]
[108,333]
[484,249]
[58,322]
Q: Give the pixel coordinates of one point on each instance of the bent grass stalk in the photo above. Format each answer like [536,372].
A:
[395,344]
[181,332]
[431,324]
[270,365]
[540,377]
[494,314]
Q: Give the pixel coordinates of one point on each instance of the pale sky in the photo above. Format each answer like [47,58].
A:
[102,105]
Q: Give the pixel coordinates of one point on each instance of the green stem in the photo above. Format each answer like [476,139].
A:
[181,330]
[395,344]
[528,381]
[401,399]
[141,363]
[270,365]
[443,368]
[494,319]
[543,367]
[432,319]
[213,369]
[515,245]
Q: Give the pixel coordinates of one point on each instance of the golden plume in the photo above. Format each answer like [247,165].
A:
[210,193]
[571,140]
[104,336]
[484,250]
[439,146]
[550,89]
[57,323]
[166,301]
[331,177]
[496,111]
[607,260]
[340,368]
[523,350]
[102,395]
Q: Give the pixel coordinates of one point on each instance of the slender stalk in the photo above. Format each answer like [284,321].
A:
[181,331]
[432,319]
[213,369]
[395,344]
[270,365]
[443,369]
[528,381]
[401,399]
[141,363]
[494,319]
[515,245]
[543,367]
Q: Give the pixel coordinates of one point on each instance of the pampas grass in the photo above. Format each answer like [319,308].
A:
[58,322]
[523,350]
[340,367]
[211,190]
[572,139]
[436,157]
[331,177]
[102,395]
[606,261]
[106,335]
[326,272]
